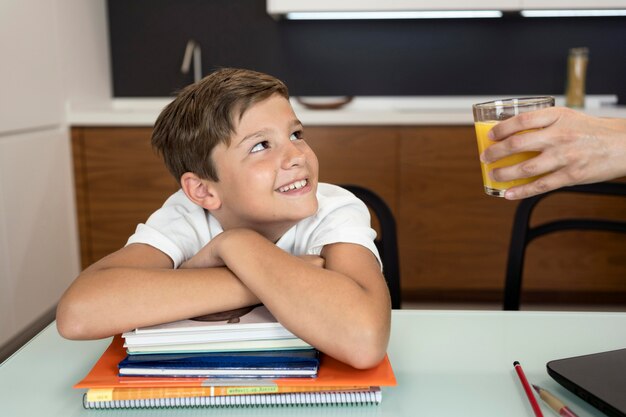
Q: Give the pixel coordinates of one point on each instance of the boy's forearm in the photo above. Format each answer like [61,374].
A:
[332,311]
[108,301]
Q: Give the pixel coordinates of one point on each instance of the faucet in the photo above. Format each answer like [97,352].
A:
[192,51]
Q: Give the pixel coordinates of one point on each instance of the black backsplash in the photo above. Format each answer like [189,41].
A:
[512,55]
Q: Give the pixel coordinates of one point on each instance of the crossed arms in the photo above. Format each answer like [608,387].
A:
[342,308]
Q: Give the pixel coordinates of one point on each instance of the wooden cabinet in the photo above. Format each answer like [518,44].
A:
[453,239]
[454,236]
[364,156]
[120,181]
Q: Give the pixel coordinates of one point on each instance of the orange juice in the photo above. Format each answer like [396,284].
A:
[494,187]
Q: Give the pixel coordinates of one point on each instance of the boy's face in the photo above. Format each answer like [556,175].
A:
[268,173]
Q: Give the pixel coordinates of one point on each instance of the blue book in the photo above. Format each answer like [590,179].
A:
[270,364]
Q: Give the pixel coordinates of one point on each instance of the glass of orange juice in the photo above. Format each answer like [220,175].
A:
[486,116]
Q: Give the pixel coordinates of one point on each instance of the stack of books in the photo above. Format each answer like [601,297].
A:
[246,361]
[250,343]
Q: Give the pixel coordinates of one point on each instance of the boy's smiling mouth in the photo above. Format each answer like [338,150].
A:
[293,186]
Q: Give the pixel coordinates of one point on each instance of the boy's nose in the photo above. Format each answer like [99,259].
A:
[293,156]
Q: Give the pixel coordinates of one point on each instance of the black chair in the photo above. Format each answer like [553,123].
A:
[522,234]
[386,241]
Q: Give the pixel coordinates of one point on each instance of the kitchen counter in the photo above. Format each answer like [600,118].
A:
[362,111]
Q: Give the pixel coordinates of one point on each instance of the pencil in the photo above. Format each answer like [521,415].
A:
[527,389]
[553,402]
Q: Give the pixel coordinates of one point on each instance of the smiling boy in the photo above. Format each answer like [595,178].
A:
[250,224]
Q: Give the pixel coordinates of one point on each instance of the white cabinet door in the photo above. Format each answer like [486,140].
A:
[574,4]
[30,81]
[38,234]
[280,7]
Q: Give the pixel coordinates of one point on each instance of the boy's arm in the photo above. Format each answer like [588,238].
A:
[136,286]
[342,309]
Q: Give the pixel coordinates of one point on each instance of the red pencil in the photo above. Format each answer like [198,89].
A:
[528,389]
[554,403]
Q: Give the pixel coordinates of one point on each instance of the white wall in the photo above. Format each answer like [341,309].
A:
[84,51]
[54,55]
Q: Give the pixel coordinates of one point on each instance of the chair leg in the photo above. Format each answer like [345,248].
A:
[513,283]
[517,250]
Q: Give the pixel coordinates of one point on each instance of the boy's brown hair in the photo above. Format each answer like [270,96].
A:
[202,115]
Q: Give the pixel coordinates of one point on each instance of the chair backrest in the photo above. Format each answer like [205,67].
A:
[522,234]
[386,241]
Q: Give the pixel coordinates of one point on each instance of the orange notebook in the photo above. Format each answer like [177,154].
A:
[332,373]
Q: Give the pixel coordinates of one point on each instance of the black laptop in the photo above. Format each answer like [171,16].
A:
[599,379]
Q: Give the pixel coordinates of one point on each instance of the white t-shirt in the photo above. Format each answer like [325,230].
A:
[181,228]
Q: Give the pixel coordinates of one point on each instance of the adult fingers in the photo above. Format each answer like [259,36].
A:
[538,165]
[525,121]
[536,140]
[542,185]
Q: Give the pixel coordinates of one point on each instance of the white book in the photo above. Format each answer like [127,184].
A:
[238,346]
[259,318]
[258,324]
[178,338]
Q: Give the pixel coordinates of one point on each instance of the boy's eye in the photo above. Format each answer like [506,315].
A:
[260,146]
[296,135]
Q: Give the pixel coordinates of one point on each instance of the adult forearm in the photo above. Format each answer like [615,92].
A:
[617,141]
[108,301]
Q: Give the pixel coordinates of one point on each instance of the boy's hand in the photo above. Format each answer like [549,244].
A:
[206,257]
[313,260]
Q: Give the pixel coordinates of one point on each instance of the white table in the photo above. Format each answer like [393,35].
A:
[447,363]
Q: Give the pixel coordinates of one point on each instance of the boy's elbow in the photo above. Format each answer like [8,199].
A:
[366,358]
[69,330]
[70,323]
[369,348]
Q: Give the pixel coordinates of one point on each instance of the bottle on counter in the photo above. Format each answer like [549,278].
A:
[576,75]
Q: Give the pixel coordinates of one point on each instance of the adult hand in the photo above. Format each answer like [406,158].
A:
[575,149]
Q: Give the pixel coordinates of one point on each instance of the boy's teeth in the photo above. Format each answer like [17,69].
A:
[293,186]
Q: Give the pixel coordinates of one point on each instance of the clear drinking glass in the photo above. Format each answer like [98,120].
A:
[486,116]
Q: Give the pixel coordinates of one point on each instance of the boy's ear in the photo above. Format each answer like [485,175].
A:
[200,191]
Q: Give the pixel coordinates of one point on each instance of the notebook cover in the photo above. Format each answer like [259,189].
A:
[331,372]
[266,364]
[269,358]
[133,393]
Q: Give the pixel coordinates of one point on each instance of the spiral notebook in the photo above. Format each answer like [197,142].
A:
[370,396]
